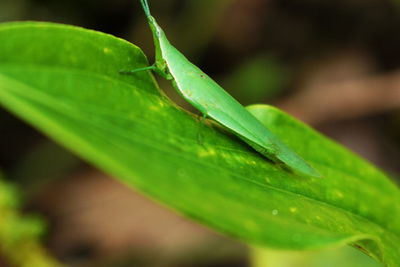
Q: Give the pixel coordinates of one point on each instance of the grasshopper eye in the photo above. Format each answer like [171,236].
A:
[159,32]
[157,29]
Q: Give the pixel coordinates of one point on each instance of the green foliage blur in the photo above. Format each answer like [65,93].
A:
[20,235]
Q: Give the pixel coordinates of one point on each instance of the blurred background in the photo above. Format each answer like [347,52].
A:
[334,64]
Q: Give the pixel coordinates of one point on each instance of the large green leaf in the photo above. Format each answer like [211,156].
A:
[65,81]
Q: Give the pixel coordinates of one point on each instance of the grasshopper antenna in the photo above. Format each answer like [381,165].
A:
[146,8]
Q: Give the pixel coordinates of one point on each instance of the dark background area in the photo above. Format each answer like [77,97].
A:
[333,64]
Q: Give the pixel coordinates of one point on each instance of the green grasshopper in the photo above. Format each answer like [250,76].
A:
[212,101]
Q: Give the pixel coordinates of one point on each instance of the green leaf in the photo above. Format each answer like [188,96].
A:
[332,257]
[65,81]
